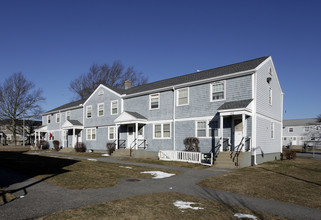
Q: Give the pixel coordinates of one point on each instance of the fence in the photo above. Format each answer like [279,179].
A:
[186,156]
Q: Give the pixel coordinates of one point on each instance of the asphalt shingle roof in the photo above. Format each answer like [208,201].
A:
[300,122]
[206,74]
[136,115]
[235,104]
[75,122]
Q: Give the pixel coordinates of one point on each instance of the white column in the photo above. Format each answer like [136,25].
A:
[136,135]
[221,132]
[243,130]
[73,137]
[117,127]
[63,138]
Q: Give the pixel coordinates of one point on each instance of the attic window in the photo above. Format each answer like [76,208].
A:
[101,92]
[270,71]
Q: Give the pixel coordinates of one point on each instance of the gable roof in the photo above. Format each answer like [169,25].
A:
[67,106]
[301,122]
[206,74]
[235,104]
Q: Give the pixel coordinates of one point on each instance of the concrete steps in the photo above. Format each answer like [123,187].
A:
[121,153]
[224,160]
[67,150]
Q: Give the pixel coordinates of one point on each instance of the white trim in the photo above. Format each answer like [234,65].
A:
[101,85]
[103,104]
[150,101]
[109,128]
[177,96]
[162,131]
[207,128]
[91,111]
[91,134]
[272,127]
[67,115]
[211,91]
[58,114]
[111,107]
[268,118]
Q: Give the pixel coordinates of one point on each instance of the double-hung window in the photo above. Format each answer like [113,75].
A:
[162,131]
[114,107]
[58,118]
[182,96]
[88,111]
[100,109]
[68,115]
[111,133]
[290,130]
[48,119]
[91,133]
[218,91]
[154,101]
[206,128]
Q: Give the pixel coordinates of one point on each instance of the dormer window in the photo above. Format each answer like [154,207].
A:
[270,71]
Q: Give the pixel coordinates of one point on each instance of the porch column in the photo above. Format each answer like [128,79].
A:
[117,127]
[73,137]
[243,128]
[136,135]
[221,132]
[62,137]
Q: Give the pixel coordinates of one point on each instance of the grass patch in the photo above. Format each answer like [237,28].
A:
[166,163]
[69,173]
[5,197]
[157,206]
[293,181]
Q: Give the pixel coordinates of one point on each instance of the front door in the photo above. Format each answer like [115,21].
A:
[130,135]
[238,132]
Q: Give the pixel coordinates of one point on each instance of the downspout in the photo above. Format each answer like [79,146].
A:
[282,96]
[174,120]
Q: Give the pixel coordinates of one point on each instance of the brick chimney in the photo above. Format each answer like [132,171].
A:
[128,84]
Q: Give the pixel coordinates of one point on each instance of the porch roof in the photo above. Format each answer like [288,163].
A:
[72,124]
[41,129]
[130,117]
[235,107]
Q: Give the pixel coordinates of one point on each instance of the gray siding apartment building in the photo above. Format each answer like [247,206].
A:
[231,104]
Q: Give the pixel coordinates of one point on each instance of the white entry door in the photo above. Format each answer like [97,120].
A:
[130,135]
[238,132]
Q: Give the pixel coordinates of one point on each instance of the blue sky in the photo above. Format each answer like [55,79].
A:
[53,42]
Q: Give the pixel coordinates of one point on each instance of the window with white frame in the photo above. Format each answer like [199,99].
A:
[306,129]
[206,128]
[88,111]
[183,96]
[272,130]
[154,101]
[91,133]
[111,133]
[48,119]
[100,109]
[162,131]
[270,95]
[290,130]
[218,91]
[68,115]
[58,118]
[114,107]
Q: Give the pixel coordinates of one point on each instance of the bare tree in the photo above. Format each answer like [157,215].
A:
[19,100]
[113,76]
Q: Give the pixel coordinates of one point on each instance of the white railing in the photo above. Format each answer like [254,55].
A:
[185,156]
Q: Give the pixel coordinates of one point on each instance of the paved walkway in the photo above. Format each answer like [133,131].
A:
[39,198]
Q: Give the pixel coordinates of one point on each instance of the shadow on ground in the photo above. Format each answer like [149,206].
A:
[17,167]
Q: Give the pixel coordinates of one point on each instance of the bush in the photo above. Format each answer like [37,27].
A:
[56,145]
[290,155]
[110,147]
[191,144]
[80,147]
[42,145]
